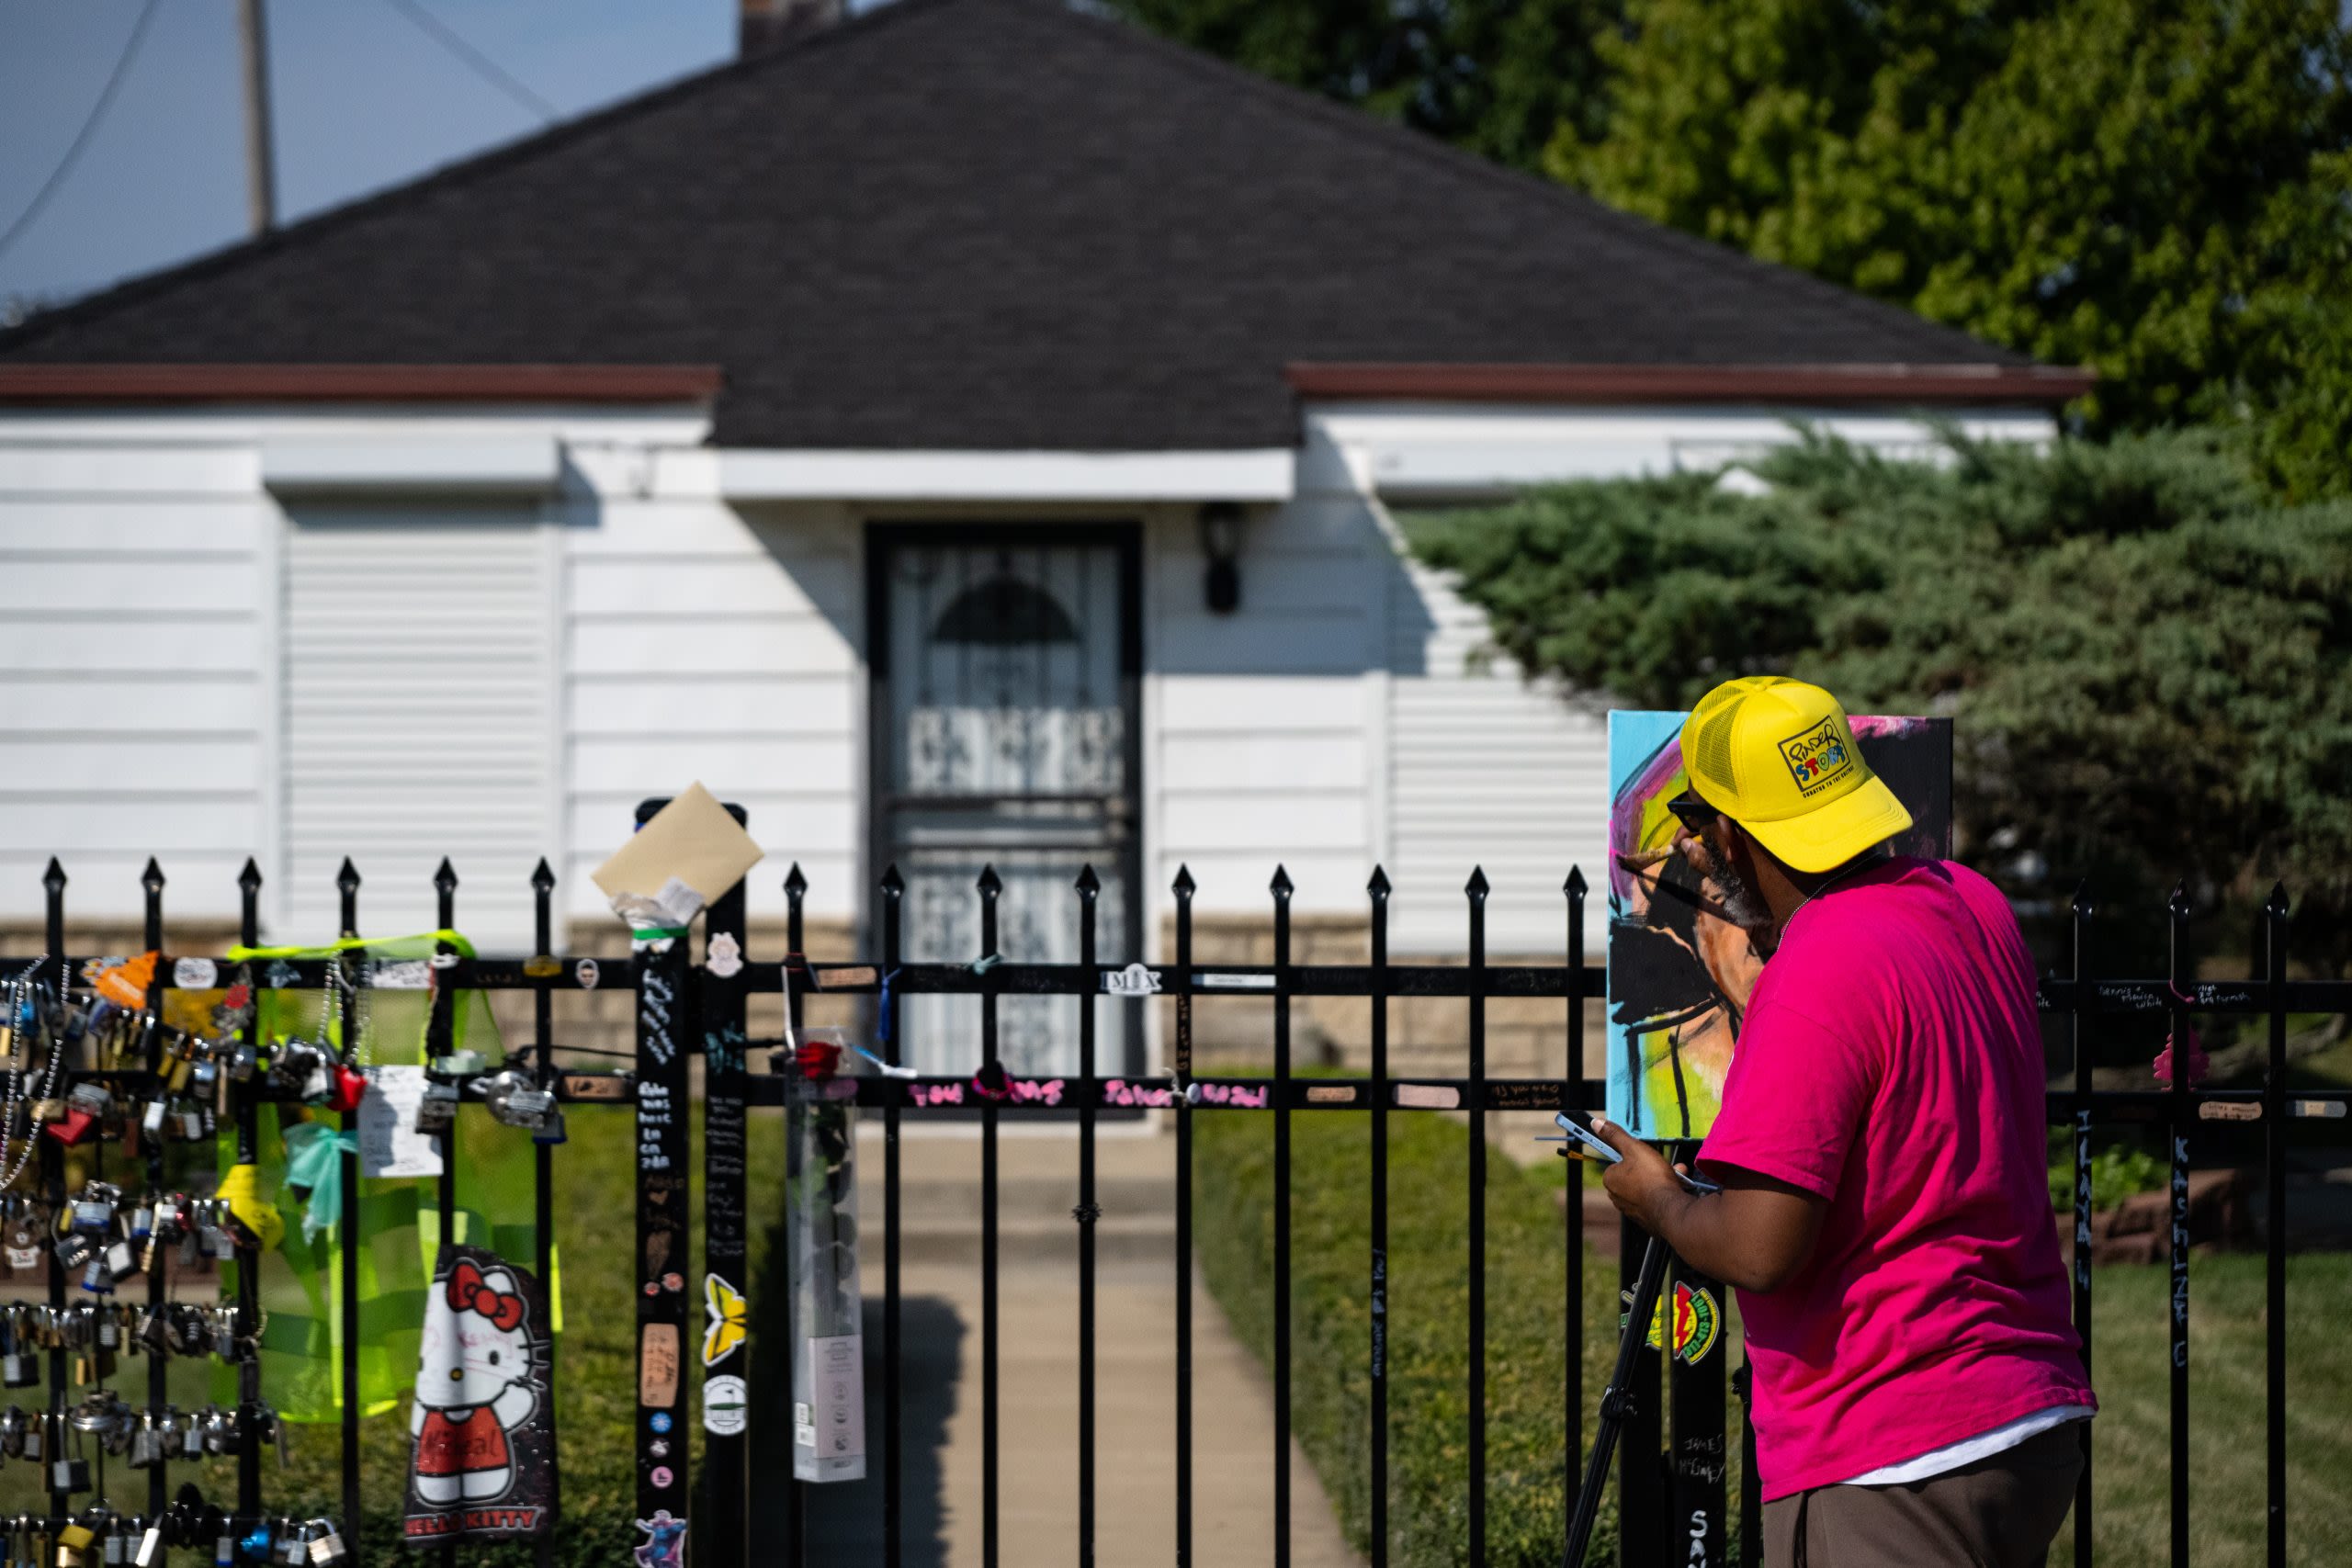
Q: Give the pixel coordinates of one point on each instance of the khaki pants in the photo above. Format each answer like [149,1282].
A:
[2001,1512]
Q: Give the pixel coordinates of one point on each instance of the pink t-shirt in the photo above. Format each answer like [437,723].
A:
[1890,1061]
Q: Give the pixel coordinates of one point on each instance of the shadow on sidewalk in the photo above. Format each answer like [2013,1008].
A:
[845,1518]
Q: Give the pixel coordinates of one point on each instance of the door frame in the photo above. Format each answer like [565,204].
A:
[1124,535]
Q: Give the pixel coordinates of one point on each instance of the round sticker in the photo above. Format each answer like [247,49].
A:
[1697,1323]
[725,1408]
[193,974]
[661,1478]
[659,1421]
[724,957]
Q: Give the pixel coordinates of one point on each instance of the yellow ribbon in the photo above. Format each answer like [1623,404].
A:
[240,1190]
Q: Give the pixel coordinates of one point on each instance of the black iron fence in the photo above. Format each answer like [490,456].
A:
[1673,1502]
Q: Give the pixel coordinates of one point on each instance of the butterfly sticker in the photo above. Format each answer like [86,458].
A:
[724,1303]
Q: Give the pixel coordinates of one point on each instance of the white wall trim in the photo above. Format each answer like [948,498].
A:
[1256,475]
[519,465]
[1437,452]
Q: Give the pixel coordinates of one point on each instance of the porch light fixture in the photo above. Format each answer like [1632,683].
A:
[1221,542]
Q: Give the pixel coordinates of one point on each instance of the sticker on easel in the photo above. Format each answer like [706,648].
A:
[585,972]
[1224,982]
[724,957]
[664,1545]
[1698,1323]
[656,1365]
[194,974]
[726,1406]
[1429,1097]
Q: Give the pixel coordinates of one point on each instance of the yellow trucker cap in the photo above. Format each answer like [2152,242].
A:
[1777,756]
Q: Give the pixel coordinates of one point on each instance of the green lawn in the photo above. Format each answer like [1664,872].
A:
[2130,1370]
[1525,1360]
[1428,1319]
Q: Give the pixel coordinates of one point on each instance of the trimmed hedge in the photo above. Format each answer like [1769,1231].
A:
[1428,1324]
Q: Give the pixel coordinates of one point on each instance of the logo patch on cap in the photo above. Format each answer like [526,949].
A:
[1818,757]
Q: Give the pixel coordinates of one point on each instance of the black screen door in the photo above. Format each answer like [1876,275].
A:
[1005,665]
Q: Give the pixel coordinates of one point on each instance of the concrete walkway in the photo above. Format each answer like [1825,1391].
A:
[1037,1330]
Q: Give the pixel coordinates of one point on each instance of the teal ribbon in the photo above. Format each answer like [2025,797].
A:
[315,1160]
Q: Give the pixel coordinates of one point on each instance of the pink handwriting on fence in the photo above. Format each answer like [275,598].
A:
[1034,1091]
[1118,1091]
[1239,1096]
[936,1093]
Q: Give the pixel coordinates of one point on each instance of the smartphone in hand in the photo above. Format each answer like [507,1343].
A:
[1577,1132]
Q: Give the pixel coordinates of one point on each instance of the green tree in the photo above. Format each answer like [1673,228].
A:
[1500,77]
[2149,658]
[2157,189]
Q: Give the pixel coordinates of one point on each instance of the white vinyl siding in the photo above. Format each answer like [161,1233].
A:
[1260,724]
[419,695]
[1486,770]
[132,708]
[712,643]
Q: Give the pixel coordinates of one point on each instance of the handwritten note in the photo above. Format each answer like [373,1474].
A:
[389,1144]
[653,1114]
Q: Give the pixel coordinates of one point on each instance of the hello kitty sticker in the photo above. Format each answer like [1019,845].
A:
[483,1452]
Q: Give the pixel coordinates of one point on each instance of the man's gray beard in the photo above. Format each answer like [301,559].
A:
[1742,902]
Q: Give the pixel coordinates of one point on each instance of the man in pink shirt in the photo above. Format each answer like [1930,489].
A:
[1886,1210]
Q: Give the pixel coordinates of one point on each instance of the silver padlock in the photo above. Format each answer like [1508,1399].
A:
[326,1547]
[436,1107]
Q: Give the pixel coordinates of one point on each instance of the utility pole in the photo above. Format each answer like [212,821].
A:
[261,195]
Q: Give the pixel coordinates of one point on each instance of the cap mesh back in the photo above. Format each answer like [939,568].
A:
[1713,760]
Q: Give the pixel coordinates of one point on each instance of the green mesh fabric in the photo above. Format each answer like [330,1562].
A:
[301,1283]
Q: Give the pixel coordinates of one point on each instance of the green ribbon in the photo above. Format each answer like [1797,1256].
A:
[315,1159]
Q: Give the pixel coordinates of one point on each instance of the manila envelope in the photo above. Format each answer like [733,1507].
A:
[692,841]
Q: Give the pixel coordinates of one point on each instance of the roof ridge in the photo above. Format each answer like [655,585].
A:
[457,172]
[1349,120]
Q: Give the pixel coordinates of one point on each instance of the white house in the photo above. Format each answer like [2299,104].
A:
[873,429]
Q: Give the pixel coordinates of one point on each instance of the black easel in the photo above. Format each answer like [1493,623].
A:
[1617,1399]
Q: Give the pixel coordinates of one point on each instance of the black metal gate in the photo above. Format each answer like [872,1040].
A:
[683,1010]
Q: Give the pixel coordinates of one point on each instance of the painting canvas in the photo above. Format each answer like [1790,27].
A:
[1678,977]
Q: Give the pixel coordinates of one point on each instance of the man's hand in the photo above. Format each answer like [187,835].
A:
[1756,1234]
[1641,1184]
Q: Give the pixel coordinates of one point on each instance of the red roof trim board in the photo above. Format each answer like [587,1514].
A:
[358,383]
[1878,384]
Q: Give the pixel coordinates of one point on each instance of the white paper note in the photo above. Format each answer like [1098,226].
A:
[389,1144]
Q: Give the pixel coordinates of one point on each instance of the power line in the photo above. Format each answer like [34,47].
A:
[89,128]
[481,64]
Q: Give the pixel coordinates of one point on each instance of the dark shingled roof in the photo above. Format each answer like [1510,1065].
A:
[983,224]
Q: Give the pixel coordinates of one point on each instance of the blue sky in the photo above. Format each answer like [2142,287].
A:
[363,99]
